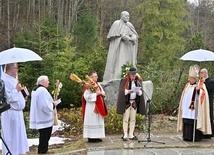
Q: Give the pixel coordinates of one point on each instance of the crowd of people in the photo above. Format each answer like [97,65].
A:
[195,114]
[12,120]
[93,100]
[42,107]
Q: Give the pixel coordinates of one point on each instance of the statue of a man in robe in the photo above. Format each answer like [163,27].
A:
[122,49]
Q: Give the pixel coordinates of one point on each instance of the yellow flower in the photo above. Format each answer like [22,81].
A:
[127,68]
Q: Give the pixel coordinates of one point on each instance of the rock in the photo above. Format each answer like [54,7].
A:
[172,118]
[111,89]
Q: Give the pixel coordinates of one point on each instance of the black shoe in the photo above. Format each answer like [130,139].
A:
[91,140]
[124,139]
[207,136]
[48,152]
[94,140]
[99,140]
[133,138]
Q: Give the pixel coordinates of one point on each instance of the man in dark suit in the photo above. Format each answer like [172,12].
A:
[210,88]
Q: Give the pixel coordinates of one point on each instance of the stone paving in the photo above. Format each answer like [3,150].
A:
[159,144]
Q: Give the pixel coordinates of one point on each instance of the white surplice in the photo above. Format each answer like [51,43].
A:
[12,120]
[93,122]
[41,109]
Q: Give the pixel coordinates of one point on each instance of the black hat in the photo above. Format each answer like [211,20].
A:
[132,70]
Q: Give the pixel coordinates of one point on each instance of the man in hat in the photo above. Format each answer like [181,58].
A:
[193,114]
[130,101]
[209,83]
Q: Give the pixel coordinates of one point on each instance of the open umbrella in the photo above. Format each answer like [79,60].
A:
[15,54]
[198,55]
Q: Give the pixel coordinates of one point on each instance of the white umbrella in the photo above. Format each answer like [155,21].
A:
[198,55]
[15,54]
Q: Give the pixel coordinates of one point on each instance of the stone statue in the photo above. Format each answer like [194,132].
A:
[122,49]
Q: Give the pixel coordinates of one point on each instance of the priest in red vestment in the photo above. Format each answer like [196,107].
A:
[93,110]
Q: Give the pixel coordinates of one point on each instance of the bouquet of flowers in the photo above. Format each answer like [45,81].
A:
[55,92]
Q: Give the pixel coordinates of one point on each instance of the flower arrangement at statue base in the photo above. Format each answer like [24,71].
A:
[125,69]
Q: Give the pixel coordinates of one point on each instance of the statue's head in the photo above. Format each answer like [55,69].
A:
[125,16]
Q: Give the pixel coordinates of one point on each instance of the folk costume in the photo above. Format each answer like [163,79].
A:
[194,108]
[130,104]
[93,112]
[12,120]
[42,115]
[121,49]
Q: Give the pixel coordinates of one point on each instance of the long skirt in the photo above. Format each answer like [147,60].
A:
[93,123]
[14,132]
[188,126]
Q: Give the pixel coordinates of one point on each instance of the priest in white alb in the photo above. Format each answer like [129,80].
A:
[93,110]
[12,121]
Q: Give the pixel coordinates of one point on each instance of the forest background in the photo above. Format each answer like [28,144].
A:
[70,36]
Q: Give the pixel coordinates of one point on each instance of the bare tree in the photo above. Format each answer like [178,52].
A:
[8,23]
[0,9]
[69,16]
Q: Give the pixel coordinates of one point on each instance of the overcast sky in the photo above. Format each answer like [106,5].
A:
[193,1]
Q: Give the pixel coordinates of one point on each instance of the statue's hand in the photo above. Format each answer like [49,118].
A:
[133,39]
[126,38]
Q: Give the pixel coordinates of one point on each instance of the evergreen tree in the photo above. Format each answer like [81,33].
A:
[85,33]
[163,25]
[47,40]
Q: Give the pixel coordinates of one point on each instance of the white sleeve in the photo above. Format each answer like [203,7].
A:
[89,96]
[11,93]
[140,92]
[102,89]
[126,91]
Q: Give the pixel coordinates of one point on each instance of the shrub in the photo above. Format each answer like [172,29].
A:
[114,122]
[73,126]
[73,122]
[31,133]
